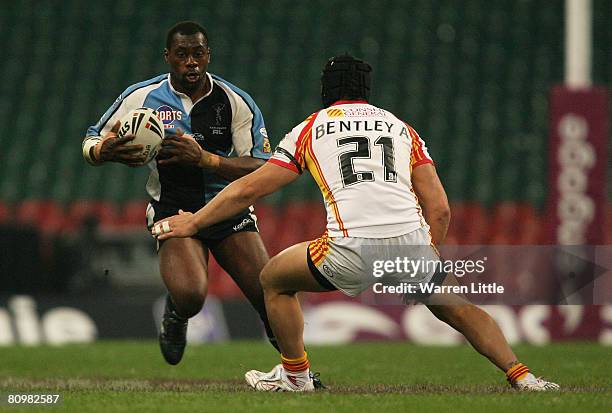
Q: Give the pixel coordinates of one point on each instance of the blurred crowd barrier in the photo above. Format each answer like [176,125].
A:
[47,247]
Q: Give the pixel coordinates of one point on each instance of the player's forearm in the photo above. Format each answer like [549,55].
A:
[236,197]
[230,168]
[438,219]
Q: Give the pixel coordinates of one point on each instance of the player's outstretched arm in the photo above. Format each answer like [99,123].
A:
[432,199]
[230,201]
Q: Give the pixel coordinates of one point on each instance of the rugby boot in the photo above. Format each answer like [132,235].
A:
[172,334]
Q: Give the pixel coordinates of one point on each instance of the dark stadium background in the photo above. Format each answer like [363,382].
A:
[472,76]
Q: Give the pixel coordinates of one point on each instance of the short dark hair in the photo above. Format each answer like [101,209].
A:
[185,28]
[345,77]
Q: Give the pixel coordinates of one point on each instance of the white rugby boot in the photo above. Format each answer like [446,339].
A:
[533,383]
[279,380]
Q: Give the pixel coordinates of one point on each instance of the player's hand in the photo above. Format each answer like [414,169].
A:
[177,226]
[180,148]
[114,149]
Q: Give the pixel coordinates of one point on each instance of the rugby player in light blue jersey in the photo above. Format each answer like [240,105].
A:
[215,133]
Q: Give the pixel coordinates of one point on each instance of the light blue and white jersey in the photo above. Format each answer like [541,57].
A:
[226,121]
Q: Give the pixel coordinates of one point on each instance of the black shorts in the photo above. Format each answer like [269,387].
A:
[209,236]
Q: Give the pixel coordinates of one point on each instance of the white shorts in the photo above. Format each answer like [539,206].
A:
[352,265]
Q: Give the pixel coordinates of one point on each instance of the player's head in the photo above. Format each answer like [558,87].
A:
[188,54]
[345,77]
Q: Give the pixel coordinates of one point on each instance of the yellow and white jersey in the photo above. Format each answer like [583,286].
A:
[361,157]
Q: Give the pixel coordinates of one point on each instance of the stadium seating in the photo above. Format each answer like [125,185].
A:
[282,225]
[473,80]
[103,213]
[609,224]
[5,213]
[44,215]
[132,215]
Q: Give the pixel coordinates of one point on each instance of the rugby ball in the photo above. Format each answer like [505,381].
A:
[145,124]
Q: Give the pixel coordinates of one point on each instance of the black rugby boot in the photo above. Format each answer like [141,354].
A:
[172,334]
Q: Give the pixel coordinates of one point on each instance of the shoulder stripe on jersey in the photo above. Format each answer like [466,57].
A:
[305,136]
[252,123]
[127,93]
[417,155]
[144,83]
[291,158]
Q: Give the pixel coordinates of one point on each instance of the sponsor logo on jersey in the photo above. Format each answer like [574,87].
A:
[335,113]
[263,132]
[267,148]
[364,111]
[218,108]
[168,115]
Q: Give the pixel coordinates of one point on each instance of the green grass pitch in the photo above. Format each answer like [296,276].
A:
[131,377]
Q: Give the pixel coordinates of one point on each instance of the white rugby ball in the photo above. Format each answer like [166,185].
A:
[148,128]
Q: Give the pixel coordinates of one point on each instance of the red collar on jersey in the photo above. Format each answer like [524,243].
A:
[344,102]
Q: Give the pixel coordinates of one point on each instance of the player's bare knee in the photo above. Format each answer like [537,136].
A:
[269,274]
[189,302]
[266,278]
[188,307]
